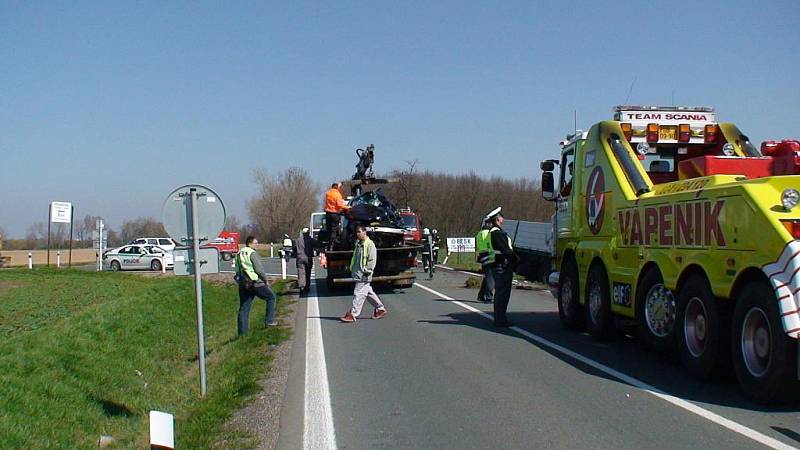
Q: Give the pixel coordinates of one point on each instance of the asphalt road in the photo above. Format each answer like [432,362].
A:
[434,373]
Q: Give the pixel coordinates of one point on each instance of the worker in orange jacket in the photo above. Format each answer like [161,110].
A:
[334,207]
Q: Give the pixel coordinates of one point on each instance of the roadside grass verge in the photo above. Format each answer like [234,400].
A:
[86,354]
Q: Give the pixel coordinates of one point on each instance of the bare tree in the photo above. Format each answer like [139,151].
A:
[284,203]
[232,224]
[141,227]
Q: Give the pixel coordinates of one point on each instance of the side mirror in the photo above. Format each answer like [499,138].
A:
[548,189]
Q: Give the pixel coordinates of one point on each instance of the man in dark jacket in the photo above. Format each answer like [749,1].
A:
[505,261]
[304,252]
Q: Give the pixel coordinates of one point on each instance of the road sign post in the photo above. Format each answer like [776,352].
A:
[194,214]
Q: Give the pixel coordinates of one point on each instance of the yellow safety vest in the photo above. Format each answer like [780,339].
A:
[364,254]
[245,265]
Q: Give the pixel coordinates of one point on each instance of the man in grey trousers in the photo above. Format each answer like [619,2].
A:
[362,265]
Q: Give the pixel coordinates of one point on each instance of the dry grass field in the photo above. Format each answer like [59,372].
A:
[79,256]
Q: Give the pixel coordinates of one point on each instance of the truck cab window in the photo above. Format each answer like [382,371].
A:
[567,173]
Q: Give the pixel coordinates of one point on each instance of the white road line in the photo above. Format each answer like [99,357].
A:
[473,274]
[679,402]
[318,431]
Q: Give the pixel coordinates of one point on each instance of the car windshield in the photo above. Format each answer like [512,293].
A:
[317,220]
[410,221]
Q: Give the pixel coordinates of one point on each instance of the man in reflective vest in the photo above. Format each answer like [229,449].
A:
[252,283]
[484,255]
[505,261]
[362,265]
[334,207]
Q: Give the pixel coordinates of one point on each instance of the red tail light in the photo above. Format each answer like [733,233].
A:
[684,132]
[652,132]
[627,130]
[793,227]
[711,134]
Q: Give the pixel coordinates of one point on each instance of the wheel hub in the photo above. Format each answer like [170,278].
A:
[659,310]
[566,296]
[756,342]
[594,302]
[695,327]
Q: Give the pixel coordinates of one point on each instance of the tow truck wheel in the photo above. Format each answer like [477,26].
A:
[700,328]
[598,304]
[764,356]
[115,266]
[569,309]
[155,265]
[656,311]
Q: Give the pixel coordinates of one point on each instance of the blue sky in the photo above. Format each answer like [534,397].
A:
[111,105]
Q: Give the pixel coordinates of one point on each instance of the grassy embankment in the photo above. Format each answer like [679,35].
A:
[87,354]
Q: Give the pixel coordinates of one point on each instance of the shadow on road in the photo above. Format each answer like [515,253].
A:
[624,353]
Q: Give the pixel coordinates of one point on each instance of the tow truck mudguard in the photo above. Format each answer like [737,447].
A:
[781,275]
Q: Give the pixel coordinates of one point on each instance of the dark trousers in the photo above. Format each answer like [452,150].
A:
[502,293]
[486,293]
[332,222]
[246,297]
[304,271]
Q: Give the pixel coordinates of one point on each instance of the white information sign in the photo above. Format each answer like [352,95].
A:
[461,245]
[61,212]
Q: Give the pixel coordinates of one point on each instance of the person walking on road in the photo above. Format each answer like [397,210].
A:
[334,207]
[362,265]
[485,257]
[505,261]
[252,283]
[304,254]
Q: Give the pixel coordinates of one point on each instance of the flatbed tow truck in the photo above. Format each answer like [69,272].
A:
[397,258]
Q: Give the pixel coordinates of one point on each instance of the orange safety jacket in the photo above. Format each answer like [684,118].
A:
[334,202]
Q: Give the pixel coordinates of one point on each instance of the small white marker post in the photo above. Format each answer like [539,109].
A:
[164,265]
[162,432]
[271,251]
[58,259]
[283,266]
[30,260]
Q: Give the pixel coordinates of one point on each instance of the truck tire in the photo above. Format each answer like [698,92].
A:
[656,312]
[599,321]
[226,256]
[764,357]
[569,308]
[700,329]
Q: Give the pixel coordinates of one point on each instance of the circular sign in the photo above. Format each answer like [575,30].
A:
[595,200]
[176,214]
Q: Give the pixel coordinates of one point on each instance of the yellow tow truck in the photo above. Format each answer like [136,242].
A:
[673,222]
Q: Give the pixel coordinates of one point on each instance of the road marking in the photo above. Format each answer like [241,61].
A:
[318,431]
[679,402]
[473,274]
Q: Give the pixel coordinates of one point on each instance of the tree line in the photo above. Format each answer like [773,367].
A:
[284,200]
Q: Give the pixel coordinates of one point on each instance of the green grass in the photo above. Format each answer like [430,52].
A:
[87,354]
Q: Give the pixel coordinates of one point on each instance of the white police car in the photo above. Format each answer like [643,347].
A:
[133,257]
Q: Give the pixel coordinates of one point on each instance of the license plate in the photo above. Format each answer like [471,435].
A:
[668,133]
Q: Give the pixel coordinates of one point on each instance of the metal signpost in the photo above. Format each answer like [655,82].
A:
[192,215]
[99,242]
[60,212]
